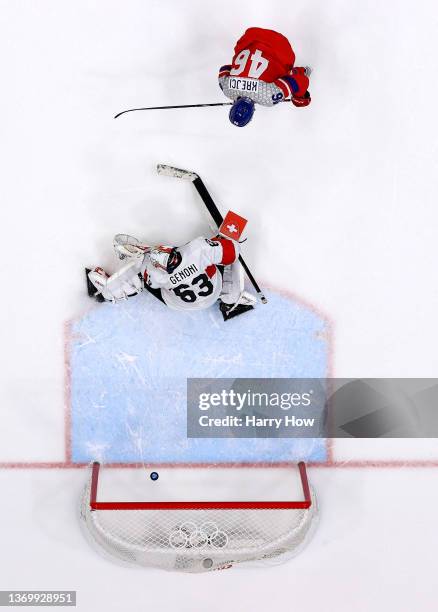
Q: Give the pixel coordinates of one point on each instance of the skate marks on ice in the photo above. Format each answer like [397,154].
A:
[130,362]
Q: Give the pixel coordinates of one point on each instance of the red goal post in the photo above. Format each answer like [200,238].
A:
[195,535]
[199,505]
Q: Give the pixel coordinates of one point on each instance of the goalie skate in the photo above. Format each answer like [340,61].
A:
[245,303]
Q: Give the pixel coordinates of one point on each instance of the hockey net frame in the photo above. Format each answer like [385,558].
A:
[201,505]
[198,536]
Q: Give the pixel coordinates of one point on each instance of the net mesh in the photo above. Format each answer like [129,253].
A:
[194,540]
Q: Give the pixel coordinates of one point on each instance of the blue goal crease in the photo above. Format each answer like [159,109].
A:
[129,368]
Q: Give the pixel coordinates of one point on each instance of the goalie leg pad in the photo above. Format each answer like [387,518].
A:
[120,285]
[234,300]
[92,287]
[232,283]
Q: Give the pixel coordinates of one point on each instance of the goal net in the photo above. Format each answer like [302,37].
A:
[198,536]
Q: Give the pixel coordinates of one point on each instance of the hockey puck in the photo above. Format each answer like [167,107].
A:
[154,475]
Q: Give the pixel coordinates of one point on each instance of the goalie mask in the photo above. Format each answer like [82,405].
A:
[165,258]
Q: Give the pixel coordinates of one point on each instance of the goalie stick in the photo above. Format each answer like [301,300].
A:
[212,209]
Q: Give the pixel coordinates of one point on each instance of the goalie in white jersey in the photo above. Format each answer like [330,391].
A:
[190,277]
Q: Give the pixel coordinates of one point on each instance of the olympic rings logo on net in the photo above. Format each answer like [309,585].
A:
[189,535]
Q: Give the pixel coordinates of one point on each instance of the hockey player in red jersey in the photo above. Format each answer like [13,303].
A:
[262,72]
[191,277]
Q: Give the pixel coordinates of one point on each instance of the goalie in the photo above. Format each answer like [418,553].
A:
[190,277]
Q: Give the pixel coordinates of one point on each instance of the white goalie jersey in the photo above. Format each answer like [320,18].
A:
[197,282]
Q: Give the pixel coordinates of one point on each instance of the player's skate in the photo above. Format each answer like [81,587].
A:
[245,303]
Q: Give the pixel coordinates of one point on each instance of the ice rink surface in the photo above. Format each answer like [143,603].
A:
[341,202]
[128,384]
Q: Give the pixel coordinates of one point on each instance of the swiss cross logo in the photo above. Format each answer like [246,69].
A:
[232,226]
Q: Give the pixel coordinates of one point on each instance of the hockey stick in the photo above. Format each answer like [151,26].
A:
[212,209]
[131,110]
[217,217]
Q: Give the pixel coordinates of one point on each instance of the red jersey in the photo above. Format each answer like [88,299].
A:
[262,54]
